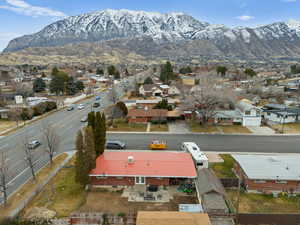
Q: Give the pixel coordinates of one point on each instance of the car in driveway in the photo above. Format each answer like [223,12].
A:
[84,119]
[33,144]
[96,104]
[80,106]
[113,144]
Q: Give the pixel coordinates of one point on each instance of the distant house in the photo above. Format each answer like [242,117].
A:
[146,115]
[4,113]
[211,192]
[173,91]
[172,218]
[228,117]
[148,90]
[269,173]
[143,168]
[187,80]
[251,114]
[150,103]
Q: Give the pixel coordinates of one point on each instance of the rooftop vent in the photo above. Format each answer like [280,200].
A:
[130,160]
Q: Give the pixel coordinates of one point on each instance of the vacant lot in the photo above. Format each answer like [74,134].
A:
[224,169]
[159,128]
[62,194]
[290,128]
[112,202]
[259,203]
[238,129]
[121,125]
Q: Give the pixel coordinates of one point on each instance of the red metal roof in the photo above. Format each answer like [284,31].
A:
[148,164]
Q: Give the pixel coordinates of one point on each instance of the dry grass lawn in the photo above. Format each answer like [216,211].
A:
[112,202]
[62,194]
[290,128]
[26,189]
[224,169]
[196,127]
[6,124]
[159,128]
[238,129]
[259,203]
[120,125]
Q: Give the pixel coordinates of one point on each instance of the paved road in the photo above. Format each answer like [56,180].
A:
[67,123]
[219,143]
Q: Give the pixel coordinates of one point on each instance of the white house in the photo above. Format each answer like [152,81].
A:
[150,90]
[281,117]
[173,90]
[251,114]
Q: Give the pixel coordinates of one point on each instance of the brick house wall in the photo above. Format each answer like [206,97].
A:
[266,186]
[127,181]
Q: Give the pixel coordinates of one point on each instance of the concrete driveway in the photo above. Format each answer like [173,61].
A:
[261,130]
[178,127]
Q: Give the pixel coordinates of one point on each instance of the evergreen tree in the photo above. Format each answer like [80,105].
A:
[122,107]
[222,70]
[102,134]
[97,133]
[39,85]
[111,70]
[79,85]
[185,70]
[55,71]
[81,167]
[148,80]
[91,120]
[250,72]
[166,73]
[117,75]
[71,88]
[99,71]
[89,144]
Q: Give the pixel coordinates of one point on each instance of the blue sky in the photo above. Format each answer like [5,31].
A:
[18,17]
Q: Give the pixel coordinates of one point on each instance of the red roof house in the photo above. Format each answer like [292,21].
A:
[151,168]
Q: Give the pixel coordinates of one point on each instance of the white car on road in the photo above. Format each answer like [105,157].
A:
[80,106]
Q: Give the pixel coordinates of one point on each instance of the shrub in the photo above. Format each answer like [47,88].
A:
[26,114]
[50,106]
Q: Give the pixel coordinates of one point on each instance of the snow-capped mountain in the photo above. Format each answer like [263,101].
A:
[277,39]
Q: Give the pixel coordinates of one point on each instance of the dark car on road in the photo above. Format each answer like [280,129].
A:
[33,144]
[96,104]
[70,108]
[110,144]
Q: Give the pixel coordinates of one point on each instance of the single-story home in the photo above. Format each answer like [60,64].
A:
[146,115]
[150,103]
[172,218]
[269,173]
[145,168]
[278,113]
[151,90]
[251,114]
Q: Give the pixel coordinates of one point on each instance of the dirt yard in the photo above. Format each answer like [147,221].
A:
[5,124]
[111,202]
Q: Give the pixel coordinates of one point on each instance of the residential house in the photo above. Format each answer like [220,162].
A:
[148,90]
[269,173]
[143,168]
[150,103]
[211,192]
[173,91]
[278,113]
[146,115]
[172,218]
[187,80]
[251,114]
[228,117]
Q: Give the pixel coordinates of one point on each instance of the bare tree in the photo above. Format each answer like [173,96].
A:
[3,176]
[15,114]
[28,156]
[208,97]
[51,139]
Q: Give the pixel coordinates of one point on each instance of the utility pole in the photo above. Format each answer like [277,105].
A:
[238,196]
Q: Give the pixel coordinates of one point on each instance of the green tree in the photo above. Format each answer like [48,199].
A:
[81,166]
[250,72]
[102,134]
[222,70]
[58,82]
[295,69]
[111,70]
[71,88]
[148,80]
[91,120]
[163,104]
[117,75]
[39,85]
[99,71]
[167,73]
[55,71]
[122,107]
[79,85]
[185,70]
[89,144]
[97,133]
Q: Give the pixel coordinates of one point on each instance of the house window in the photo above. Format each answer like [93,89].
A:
[100,178]
[259,181]
[248,112]
[281,182]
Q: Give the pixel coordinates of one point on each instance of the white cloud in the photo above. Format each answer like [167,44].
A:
[245,17]
[22,7]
